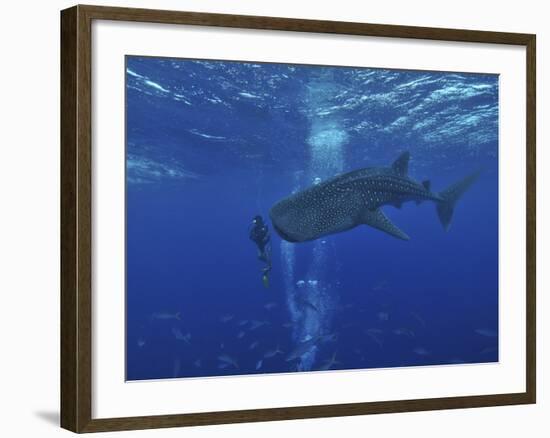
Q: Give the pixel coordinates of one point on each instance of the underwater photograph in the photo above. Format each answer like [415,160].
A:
[287,218]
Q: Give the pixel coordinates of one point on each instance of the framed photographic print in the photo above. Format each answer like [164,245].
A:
[268,218]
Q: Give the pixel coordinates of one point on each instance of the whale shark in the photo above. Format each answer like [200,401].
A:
[355,198]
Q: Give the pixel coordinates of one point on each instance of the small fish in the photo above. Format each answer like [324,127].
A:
[197,363]
[259,364]
[300,283]
[162,315]
[287,325]
[240,335]
[273,353]
[257,324]
[140,342]
[242,322]
[226,318]
[375,335]
[253,345]
[180,336]
[328,364]
[307,345]
[403,332]
[488,333]
[228,360]
[383,316]
[419,319]
[309,305]
[313,283]
[302,348]
[421,351]
[270,305]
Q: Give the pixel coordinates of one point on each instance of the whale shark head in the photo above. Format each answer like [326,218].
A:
[314,212]
[286,223]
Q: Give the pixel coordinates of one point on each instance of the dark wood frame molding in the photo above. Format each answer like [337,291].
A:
[76,219]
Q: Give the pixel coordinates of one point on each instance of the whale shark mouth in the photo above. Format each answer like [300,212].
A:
[283,234]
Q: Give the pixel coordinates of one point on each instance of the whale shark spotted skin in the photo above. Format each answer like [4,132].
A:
[351,199]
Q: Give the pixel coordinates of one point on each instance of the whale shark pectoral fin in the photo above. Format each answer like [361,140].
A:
[401,165]
[377,219]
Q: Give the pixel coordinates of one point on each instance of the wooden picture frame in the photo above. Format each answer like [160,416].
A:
[76,217]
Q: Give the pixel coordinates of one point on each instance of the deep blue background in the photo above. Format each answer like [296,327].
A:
[211,144]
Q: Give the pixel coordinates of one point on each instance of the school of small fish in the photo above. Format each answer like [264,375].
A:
[264,355]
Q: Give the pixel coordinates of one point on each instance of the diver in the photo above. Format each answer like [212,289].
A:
[259,234]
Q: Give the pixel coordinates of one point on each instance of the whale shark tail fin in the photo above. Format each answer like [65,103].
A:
[450,196]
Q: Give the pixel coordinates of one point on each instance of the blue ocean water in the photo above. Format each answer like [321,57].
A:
[211,144]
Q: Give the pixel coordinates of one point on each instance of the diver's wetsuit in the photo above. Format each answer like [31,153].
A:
[259,234]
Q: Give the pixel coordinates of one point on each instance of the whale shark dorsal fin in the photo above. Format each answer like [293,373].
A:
[401,165]
[377,219]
